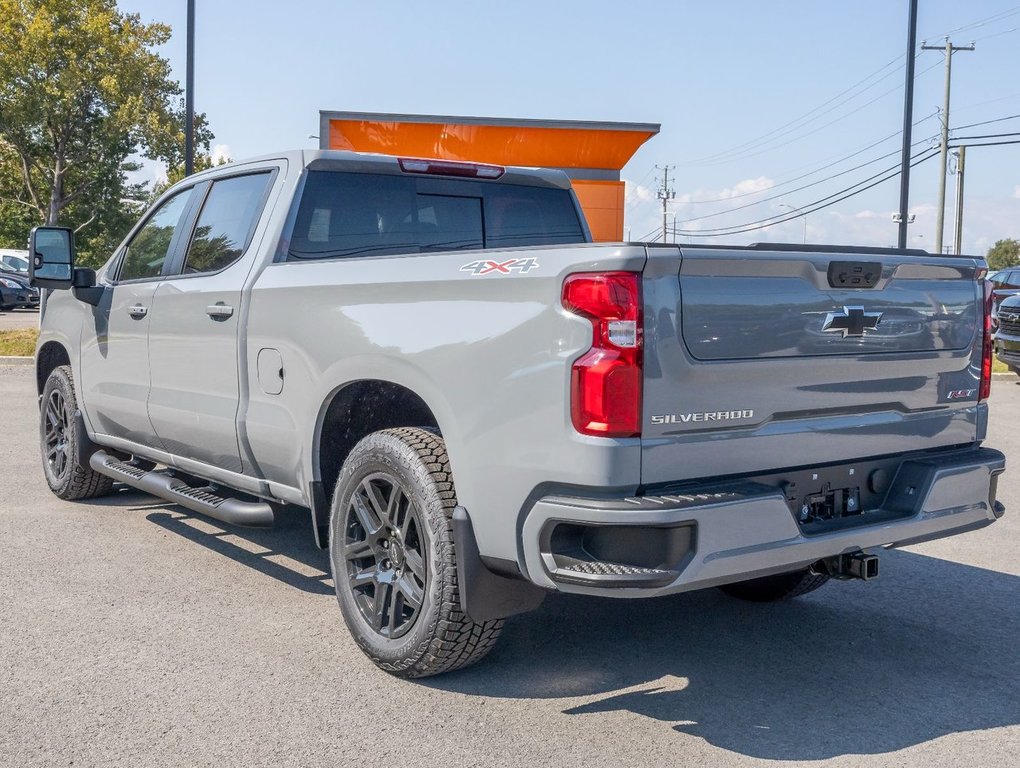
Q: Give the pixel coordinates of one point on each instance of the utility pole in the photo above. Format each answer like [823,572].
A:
[948,50]
[189,95]
[666,193]
[961,156]
[908,122]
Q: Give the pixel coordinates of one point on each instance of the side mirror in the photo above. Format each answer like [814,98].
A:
[51,258]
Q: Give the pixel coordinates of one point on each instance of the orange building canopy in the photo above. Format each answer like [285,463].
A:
[592,154]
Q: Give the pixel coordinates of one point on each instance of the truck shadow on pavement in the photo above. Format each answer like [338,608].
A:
[855,668]
[286,552]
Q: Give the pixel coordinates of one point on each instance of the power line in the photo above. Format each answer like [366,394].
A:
[804,186]
[734,152]
[812,172]
[985,144]
[825,202]
[980,22]
[986,136]
[996,34]
[817,205]
[644,178]
[763,137]
[985,122]
[798,137]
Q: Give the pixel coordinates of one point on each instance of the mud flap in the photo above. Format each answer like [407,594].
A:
[485,595]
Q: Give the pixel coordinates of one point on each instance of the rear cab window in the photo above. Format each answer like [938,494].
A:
[346,214]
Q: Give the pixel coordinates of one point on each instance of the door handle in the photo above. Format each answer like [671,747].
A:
[219,311]
[138,311]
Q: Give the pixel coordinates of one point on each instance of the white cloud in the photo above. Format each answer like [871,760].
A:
[221,154]
[745,188]
[637,193]
[1016,192]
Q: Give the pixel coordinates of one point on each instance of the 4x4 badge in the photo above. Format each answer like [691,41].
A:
[852,321]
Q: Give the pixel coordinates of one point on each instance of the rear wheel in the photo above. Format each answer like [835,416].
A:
[393,561]
[782,586]
[59,436]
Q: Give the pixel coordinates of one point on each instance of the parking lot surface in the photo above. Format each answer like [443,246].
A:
[14,319]
[133,633]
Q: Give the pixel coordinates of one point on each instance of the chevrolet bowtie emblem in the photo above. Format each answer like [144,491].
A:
[852,321]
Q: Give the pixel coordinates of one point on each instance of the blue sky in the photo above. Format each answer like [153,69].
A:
[748,93]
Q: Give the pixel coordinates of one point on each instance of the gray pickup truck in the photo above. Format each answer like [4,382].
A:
[479,406]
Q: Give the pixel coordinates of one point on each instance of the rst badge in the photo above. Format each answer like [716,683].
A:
[506,267]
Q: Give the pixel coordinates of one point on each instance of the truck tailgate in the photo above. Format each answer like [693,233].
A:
[757,360]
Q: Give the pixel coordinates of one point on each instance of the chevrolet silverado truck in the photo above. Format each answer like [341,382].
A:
[478,406]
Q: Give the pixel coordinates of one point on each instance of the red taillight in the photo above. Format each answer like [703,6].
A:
[447,168]
[605,382]
[986,346]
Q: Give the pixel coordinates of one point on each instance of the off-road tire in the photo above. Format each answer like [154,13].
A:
[67,478]
[440,638]
[782,586]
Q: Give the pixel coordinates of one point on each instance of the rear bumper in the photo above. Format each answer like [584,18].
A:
[744,530]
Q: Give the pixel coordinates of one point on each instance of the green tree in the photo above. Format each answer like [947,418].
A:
[81,92]
[1005,253]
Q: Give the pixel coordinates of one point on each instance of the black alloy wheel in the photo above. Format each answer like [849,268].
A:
[57,441]
[393,556]
[61,435]
[385,555]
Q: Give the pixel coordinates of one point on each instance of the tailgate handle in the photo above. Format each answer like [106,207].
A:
[854,274]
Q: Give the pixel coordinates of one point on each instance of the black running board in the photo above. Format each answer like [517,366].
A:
[205,500]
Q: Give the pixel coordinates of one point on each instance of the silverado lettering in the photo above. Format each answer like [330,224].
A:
[683,418]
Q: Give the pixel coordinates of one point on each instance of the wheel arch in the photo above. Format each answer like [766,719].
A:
[349,413]
[51,355]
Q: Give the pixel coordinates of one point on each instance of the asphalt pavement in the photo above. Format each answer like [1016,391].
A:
[14,319]
[133,633]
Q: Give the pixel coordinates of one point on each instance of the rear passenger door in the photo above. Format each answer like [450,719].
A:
[193,349]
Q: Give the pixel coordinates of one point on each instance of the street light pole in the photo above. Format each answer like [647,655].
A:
[961,157]
[189,95]
[803,216]
[908,120]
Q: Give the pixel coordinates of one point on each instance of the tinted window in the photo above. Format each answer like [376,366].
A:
[16,263]
[351,214]
[148,248]
[529,216]
[449,223]
[228,217]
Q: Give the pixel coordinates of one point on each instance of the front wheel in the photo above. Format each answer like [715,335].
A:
[782,586]
[392,556]
[59,436]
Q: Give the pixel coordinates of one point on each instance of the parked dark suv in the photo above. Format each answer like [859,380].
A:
[1005,283]
[1007,338]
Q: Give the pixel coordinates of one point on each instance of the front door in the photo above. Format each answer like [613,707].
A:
[114,346]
